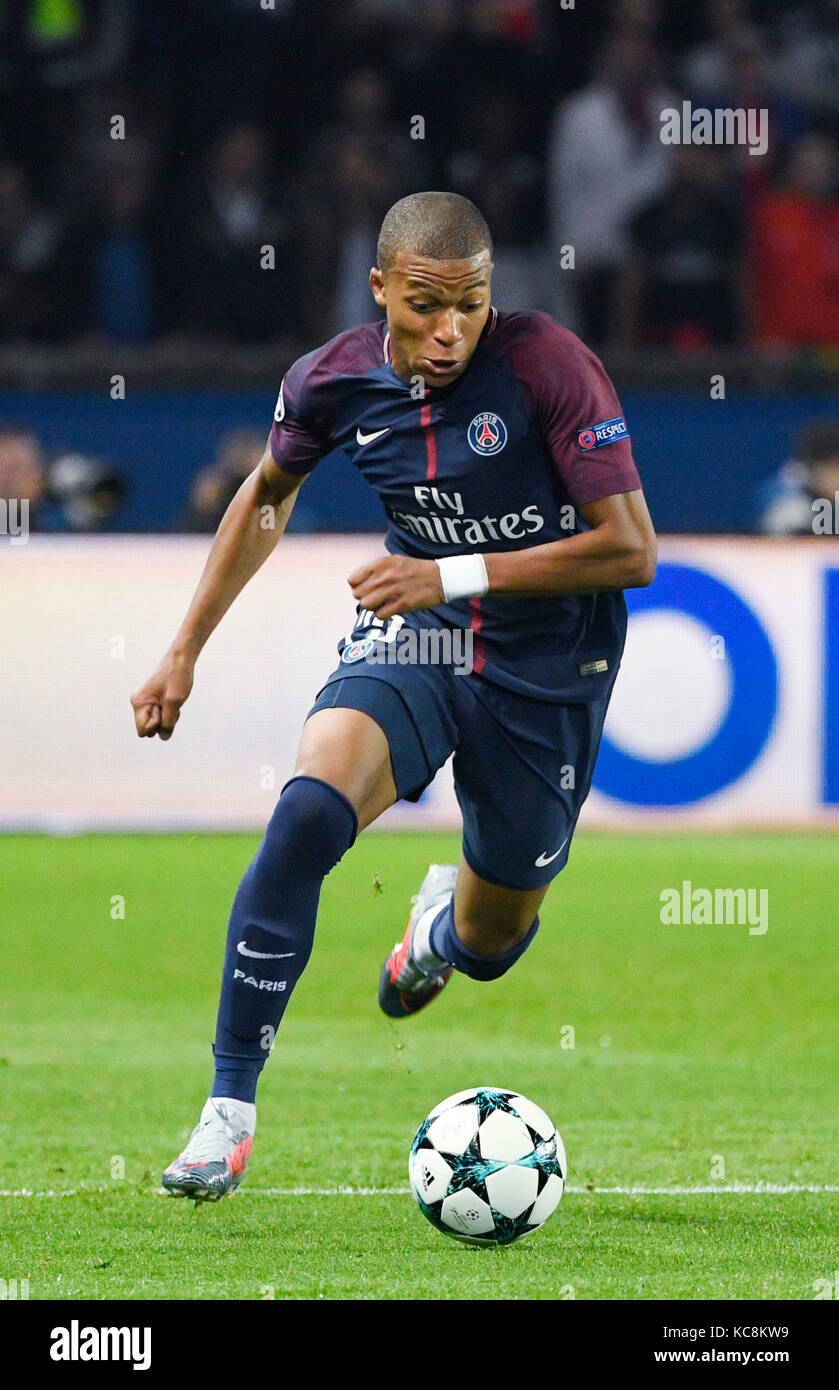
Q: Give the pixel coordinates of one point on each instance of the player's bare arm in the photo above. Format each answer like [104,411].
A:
[618,552]
[247,534]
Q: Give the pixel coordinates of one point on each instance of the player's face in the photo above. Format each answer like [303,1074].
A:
[436,311]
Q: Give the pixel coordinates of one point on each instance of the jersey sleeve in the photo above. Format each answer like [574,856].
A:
[299,434]
[577,413]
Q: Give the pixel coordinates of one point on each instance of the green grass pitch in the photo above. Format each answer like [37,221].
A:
[703,1057]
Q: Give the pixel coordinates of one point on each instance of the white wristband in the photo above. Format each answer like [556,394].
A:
[463,576]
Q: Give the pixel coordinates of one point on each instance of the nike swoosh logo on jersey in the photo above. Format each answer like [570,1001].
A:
[546,858]
[279,408]
[263,955]
[362,438]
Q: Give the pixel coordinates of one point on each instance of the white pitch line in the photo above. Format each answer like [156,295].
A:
[760,1189]
[771,1189]
[736,1189]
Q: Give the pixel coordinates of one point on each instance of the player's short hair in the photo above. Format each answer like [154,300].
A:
[442,226]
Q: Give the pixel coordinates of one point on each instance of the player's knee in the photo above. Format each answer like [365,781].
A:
[312,826]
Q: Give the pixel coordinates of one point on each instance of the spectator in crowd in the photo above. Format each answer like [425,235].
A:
[794,253]
[66,46]
[233,244]
[87,494]
[72,492]
[50,54]
[491,167]
[786,503]
[39,295]
[504,44]
[746,82]
[22,473]
[708,67]
[355,169]
[443,57]
[304,111]
[680,285]
[116,248]
[111,128]
[641,17]
[213,487]
[606,161]
[807,64]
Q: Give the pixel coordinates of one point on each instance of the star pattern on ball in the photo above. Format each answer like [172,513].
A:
[487,1200]
[508,1228]
[489,1101]
[544,1155]
[472,1170]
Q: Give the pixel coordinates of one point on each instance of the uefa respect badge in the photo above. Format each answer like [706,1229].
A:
[609,432]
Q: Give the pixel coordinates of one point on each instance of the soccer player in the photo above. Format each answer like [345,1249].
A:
[515,519]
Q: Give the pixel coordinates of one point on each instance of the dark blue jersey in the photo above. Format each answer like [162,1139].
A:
[500,459]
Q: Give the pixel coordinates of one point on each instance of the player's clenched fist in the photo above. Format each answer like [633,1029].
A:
[397,584]
[157,704]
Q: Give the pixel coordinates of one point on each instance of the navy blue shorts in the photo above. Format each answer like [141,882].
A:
[522,767]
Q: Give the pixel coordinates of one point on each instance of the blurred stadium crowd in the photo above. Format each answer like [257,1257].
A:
[289,125]
[150,150]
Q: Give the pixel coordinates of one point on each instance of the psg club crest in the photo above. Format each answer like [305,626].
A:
[356,651]
[487,434]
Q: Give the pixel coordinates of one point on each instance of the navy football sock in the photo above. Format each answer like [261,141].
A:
[446,944]
[272,926]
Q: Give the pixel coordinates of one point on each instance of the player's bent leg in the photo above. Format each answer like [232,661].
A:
[462,922]
[493,919]
[342,780]
[485,927]
[459,922]
[520,809]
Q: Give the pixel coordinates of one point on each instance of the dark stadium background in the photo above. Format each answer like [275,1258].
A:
[291,126]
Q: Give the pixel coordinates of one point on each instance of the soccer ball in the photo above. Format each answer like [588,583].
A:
[487,1166]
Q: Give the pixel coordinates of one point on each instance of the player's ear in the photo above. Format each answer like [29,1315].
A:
[377,285]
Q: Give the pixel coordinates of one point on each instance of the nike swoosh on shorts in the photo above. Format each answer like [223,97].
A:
[546,859]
